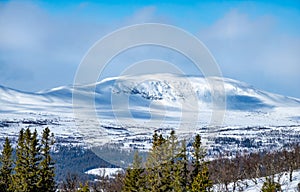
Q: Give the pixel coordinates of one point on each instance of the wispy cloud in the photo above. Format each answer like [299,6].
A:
[254,50]
[47,46]
[41,48]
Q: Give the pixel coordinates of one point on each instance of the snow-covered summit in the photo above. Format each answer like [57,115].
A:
[169,89]
[129,108]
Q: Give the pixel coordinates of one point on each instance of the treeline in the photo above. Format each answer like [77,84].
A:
[32,169]
[171,165]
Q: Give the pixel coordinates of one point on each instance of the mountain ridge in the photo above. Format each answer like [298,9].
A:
[129,109]
[168,87]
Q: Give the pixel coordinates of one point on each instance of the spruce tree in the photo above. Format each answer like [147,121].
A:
[6,167]
[46,174]
[200,175]
[154,164]
[202,183]
[180,182]
[198,156]
[270,185]
[134,178]
[169,166]
[155,138]
[26,169]
[34,158]
[19,181]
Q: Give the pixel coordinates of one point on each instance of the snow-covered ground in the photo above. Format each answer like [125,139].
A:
[106,172]
[245,185]
[250,186]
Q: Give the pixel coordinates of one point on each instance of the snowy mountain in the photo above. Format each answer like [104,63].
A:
[129,108]
[171,90]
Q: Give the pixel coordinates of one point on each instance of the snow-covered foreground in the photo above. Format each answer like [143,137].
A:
[250,186]
[245,185]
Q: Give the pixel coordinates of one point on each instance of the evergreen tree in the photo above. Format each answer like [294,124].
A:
[165,164]
[171,177]
[155,140]
[200,175]
[6,167]
[34,169]
[134,179]
[83,188]
[201,182]
[19,181]
[154,164]
[46,181]
[34,158]
[26,169]
[270,186]
[181,170]
[173,145]
[198,156]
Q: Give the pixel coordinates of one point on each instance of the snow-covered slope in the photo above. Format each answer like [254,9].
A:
[131,107]
[12,100]
[171,90]
[251,186]
[106,172]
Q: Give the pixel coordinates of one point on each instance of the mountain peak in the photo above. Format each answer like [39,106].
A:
[172,90]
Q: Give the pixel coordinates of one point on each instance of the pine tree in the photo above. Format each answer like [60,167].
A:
[181,171]
[46,181]
[6,167]
[154,164]
[170,167]
[19,181]
[202,183]
[200,175]
[155,140]
[26,169]
[34,158]
[270,186]
[134,179]
[198,155]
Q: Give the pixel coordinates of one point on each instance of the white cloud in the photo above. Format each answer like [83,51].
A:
[146,14]
[235,25]
[49,46]
[45,49]
[19,23]
[255,51]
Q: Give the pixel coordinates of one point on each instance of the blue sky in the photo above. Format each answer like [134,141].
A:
[43,42]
